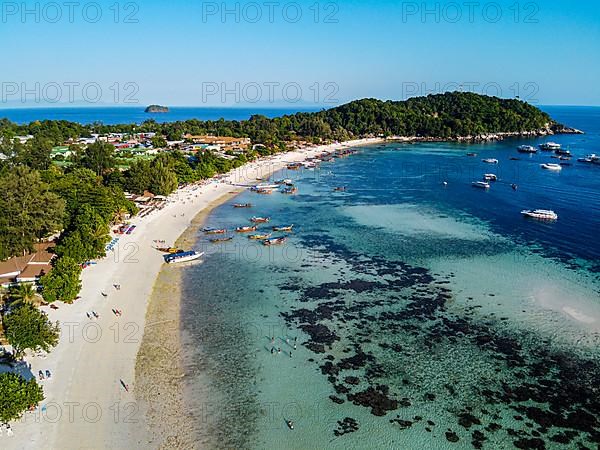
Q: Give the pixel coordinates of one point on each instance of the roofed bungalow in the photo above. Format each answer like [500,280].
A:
[62,150]
[229,143]
[28,268]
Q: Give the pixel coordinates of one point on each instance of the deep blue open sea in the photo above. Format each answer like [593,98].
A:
[121,115]
[403,313]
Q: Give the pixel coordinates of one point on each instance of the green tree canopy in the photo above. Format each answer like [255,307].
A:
[99,157]
[28,211]
[63,282]
[17,395]
[27,328]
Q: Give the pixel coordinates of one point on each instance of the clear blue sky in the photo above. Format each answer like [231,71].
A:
[179,50]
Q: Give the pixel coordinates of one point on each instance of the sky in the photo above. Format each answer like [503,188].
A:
[306,53]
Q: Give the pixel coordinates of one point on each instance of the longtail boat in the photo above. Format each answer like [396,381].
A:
[259,237]
[260,219]
[243,205]
[214,231]
[282,229]
[276,241]
[245,229]
[221,240]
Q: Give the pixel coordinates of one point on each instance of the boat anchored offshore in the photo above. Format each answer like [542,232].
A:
[526,149]
[490,177]
[283,229]
[550,166]
[245,229]
[183,257]
[260,220]
[550,146]
[481,184]
[540,214]
[490,161]
[275,241]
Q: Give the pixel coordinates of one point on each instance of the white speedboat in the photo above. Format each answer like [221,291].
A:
[550,166]
[526,149]
[183,257]
[550,146]
[589,158]
[261,187]
[540,214]
[490,161]
[481,184]
[490,177]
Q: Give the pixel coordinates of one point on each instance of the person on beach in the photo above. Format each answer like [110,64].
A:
[279,350]
[41,375]
[104,295]
[295,347]
[88,315]
[48,374]
[125,386]
[95,314]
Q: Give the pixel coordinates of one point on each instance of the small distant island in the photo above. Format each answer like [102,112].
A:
[157,109]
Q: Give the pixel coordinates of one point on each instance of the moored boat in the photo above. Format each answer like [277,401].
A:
[243,205]
[550,146]
[214,231]
[259,237]
[589,158]
[550,166]
[490,177]
[284,229]
[481,184]
[563,152]
[260,220]
[275,241]
[245,229]
[290,190]
[182,257]
[490,161]
[526,149]
[540,214]
[221,240]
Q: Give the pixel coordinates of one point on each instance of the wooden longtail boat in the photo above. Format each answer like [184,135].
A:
[259,237]
[276,241]
[245,229]
[260,219]
[282,229]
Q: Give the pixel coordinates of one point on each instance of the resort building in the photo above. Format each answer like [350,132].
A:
[28,268]
[224,143]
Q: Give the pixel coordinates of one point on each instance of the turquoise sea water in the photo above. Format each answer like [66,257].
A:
[424,316]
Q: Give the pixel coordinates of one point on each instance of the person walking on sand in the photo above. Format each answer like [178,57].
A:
[41,375]
[125,386]
[88,315]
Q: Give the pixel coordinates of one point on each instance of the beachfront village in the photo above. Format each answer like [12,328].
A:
[65,207]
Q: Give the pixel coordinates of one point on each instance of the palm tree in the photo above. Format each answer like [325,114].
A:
[22,294]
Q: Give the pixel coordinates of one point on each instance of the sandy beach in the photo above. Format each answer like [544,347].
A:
[90,401]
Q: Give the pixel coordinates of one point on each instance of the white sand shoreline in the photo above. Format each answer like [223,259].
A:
[85,404]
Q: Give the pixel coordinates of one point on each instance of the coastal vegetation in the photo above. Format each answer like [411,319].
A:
[28,328]
[17,395]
